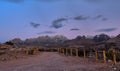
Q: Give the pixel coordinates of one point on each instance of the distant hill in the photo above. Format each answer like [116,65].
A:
[101,38]
[115,41]
[98,41]
[40,41]
[79,41]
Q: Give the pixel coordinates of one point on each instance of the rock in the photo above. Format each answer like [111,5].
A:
[115,67]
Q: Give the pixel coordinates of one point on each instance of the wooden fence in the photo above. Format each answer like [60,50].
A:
[98,55]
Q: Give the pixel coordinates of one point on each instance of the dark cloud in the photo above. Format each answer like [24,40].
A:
[104,19]
[58,23]
[34,25]
[74,29]
[14,1]
[60,20]
[48,0]
[101,17]
[98,16]
[47,32]
[81,18]
[107,30]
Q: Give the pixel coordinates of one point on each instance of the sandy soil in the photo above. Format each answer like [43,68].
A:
[51,61]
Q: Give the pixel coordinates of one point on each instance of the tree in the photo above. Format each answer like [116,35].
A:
[9,43]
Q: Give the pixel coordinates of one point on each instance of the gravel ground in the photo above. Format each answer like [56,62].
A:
[52,61]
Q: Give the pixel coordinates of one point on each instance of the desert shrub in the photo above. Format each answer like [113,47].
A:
[31,52]
[9,43]
[42,49]
[118,56]
[110,55]
[80,53]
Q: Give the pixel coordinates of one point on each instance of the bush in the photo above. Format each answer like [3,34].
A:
[109,55]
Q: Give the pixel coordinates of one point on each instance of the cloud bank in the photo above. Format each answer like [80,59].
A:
[107,30]
[81,17]
[14,1]
[74,29]
[46,32]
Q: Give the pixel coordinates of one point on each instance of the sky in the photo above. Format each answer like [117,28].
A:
[32,18]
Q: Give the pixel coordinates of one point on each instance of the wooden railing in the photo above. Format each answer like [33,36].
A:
[98,54]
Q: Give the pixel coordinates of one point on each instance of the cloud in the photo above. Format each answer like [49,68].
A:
[48,0]
[60,20]
[58,23]
[74,29]
[81,18]
[34,25]
[104,19]
[93,0]
[98,16]
[14,1]
[47,32]
[107,30]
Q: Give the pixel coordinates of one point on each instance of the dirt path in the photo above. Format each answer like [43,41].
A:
[51,61]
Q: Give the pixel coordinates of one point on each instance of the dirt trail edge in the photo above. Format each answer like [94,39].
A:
[51,61]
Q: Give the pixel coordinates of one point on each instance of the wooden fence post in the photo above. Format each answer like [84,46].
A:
[71,51]
[84,52]
[96,56]
[16,53]
[77,52]
[58,50]
[104,56]
[114,57]
[27,51]
[35,50]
